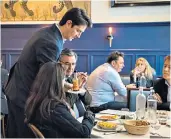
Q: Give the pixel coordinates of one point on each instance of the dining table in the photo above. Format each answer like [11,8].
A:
[163,132]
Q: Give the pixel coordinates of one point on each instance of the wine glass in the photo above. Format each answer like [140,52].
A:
[154,122]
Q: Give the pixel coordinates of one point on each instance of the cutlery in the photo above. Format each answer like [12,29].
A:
[108,133]
[114,132]
[155,134]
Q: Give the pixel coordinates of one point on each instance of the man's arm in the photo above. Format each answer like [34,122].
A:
[117,84]
[86,98]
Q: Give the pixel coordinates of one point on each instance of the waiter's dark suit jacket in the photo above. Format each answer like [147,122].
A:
[44,46]
[162,89]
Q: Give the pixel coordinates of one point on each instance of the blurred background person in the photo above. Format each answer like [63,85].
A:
[4,76]
[104,81]
[48,110]
[78,102]
[142,66]
[4,106]
[162,87]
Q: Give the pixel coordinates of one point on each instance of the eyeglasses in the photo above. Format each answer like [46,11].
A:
[68,64]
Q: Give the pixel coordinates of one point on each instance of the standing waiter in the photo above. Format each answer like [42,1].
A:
[44,46]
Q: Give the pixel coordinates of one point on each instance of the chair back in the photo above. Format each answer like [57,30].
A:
[36,131]
[125,79]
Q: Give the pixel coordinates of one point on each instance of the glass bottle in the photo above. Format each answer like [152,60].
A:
[75,82]
[140,104]
[143,81]
[151,105]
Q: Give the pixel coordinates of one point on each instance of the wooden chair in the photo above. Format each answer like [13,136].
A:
[36,131]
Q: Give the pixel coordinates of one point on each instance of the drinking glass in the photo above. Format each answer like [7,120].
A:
[153,120]
[155,125]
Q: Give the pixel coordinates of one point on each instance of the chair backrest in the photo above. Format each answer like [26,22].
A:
[132,100]
[36,131]
[125,79]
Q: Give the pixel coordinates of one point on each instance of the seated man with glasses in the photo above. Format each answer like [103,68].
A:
[77,101]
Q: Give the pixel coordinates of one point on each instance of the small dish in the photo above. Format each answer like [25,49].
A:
[82,90]
[107,117]
[168,122]
[116,129]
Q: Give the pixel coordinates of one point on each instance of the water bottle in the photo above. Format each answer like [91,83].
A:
[151,105]
[140,104]
[143,81]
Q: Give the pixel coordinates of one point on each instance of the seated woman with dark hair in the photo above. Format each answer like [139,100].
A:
[162,87]
[47,109]
[142,67]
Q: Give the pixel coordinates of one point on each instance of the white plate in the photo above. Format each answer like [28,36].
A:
[82,90]
[118,128]
[168,123]
[98,116]
[117,112]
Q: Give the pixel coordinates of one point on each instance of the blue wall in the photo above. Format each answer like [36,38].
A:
[149,40]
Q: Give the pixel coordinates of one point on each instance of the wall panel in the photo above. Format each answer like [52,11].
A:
[150,40]
[88,60]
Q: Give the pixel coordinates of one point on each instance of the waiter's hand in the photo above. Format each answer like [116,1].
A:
[67,86]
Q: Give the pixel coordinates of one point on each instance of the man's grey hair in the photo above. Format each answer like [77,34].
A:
[68,52]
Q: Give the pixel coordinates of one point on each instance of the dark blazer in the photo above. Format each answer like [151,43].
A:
[162,89]
[61,124]
[44,46]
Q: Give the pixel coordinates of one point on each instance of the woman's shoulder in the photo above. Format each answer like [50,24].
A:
[58,106]
[159,82]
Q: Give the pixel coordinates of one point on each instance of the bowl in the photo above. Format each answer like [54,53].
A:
[136,127]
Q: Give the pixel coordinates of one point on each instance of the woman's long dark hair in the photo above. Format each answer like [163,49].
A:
[47,86]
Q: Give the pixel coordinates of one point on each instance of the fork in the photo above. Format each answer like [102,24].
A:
[108,133]
[113,132]
[152,133]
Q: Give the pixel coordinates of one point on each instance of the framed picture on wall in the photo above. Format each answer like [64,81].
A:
[130,3]
[14,11]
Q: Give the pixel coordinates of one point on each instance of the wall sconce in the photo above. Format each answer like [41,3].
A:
[110,36]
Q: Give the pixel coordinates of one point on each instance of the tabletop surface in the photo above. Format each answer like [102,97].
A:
[163,131]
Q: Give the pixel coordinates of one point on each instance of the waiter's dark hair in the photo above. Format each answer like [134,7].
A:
[77,16]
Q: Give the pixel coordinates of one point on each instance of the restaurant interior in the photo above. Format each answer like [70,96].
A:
[137,29]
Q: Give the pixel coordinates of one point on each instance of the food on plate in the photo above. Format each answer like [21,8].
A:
[161,112]
[141,123]
[106,125]
[108,117]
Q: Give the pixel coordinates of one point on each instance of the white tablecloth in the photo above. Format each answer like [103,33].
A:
[163,130]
